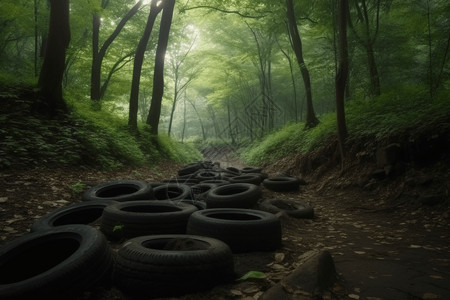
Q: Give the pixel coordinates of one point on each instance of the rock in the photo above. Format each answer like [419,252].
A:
[309,281]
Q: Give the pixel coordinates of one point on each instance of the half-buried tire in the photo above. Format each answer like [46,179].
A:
[282,183]
[291,208]
[58,263]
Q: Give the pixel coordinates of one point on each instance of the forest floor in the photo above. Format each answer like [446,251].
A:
[385,243]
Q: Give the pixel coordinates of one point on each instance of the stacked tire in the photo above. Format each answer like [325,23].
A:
[178,236]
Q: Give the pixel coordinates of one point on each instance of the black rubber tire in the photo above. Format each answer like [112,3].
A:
[126,220]
[201,190]
[171,191]
[218,182]
[233,171]
[282,184]
[251,170]
[291,208]
[203,175]
[233,195]
[58,263]
[247,178]
[172,265]
[244,230]
[199,204]
[120,190]
[182,180]
[79,213]
[190,168]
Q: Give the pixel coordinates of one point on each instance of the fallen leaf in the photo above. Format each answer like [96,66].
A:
[430,296]
[278,267]
[279,257]
[360,252]
[353,296]
[252,274]
[3,199]
[236,292]
[415,246]
[251,290]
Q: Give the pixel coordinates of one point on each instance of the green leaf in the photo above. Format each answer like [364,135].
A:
[252,274]
[117,227]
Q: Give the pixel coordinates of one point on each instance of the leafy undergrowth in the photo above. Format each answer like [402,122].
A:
[85,137]
[375,119]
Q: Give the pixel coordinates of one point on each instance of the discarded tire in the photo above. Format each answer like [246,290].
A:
[200,191]
[138,218]
[233,195]
[172,191]
[244,230]
[199,204]
[282,184]
[172,265]
[58,263]
[207,175]
[119,190]
[217,181]
[190,168]
[79,213]
[291,208]
[251,170]
[247,178]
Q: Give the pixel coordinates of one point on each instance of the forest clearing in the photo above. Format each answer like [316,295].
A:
[220,149]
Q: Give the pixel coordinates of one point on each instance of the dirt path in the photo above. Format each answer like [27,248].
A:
[399,253]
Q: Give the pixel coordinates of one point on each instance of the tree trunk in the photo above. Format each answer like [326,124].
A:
[158,77]
[138,61]
[97,90]
[50,79]
[174,105]
[341,76]
[368,41]
[199,119]
[96,60]
[373,70]
[311,119]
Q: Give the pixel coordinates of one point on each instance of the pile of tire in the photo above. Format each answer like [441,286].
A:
[173,237]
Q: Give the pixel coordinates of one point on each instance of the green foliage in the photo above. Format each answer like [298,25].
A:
[86,137]
[252,274]
[406,107]
[77,188]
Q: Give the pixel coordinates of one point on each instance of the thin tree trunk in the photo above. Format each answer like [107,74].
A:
[51,76]
[444,59]
[36,47]
[158,76]
[200,120]
[138,61]
[311,119]
[172,112]
[99,54]
[341,76]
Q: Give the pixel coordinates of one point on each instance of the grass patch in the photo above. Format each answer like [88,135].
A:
[390,113]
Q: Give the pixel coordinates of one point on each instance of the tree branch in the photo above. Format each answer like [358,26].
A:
[224,11]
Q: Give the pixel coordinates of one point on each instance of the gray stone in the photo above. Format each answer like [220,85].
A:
[309,281]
